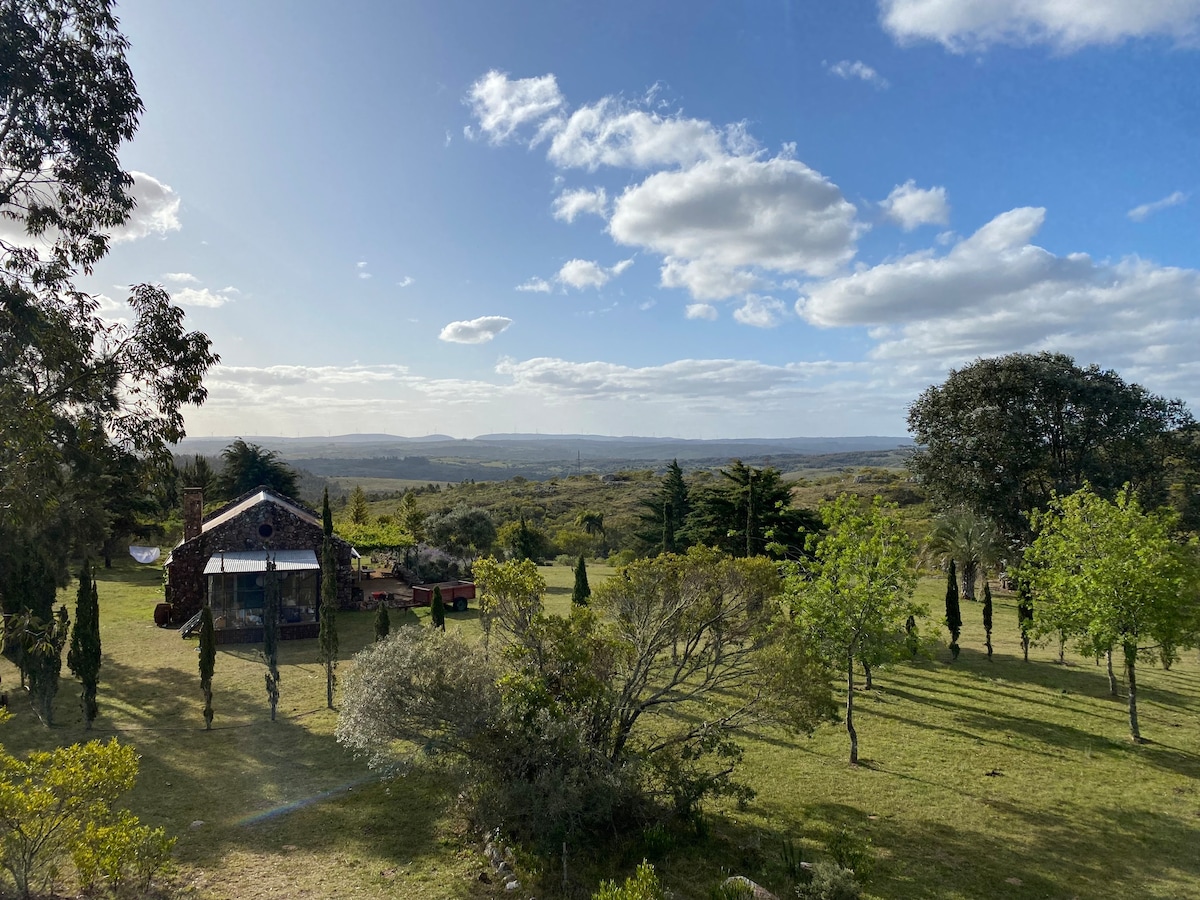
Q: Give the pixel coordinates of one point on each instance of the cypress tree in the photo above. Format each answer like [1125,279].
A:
[43,647]
[328,636]
[581,592]
[383,622]
[912,641]
[1024,614]
[953,611]
[270,649]
[84,656]
[987,614]
[208,661]
[437,609]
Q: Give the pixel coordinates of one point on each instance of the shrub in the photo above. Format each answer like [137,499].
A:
[641,885]
[830,882]
[852,851]
[121,857]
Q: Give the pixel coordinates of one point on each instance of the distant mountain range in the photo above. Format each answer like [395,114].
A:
[539,456]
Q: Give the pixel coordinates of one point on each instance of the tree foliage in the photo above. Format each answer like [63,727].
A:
[1115,576]
[1002,436]
[382,623]
[581,591]
[270,626]
[748,513]
[327,635]
[245,467]
[437,610]
[83,658]
[969,540]
[665,512]
[464,531]
[207,662]
[953,618]
[854,596]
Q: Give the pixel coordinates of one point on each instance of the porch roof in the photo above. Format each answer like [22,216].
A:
[236,561]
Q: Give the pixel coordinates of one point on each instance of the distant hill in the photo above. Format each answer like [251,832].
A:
[495,457]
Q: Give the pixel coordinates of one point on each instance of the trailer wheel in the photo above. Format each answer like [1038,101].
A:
[460,604]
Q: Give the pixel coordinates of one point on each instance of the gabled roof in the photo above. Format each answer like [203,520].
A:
[232,562]
[249,501]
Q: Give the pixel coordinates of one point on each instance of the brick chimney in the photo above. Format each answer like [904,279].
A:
[193,512]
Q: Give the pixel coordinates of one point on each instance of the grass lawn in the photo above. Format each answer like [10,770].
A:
[980,779]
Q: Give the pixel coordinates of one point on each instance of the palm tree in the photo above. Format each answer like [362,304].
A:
[970,540]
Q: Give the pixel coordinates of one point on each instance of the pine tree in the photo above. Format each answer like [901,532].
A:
[383,622]
[84,656]
[360,513]
[208,661]
[953,611]
[987,614]
[437,609]
[270,649]
[328,636]
[581,592]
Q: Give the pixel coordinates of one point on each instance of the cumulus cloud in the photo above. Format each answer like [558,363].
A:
[760,312]
[706,280]
[536,286]
[911,206]
[741,211]
[570,204]
[964,25]
[474,331]
[181,278]
[585,273]
[156,213]
[847,69]
[997,292]
[405,281]
[1146,210]
[701,311]
[189,296]
[502,105]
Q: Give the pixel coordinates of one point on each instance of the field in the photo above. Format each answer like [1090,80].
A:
[1003,779]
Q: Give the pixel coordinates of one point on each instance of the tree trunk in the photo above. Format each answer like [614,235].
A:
[850,712]
[867,673]
[969,572]
[988,640]
[1130,661]
[1112,678]
[1062,647]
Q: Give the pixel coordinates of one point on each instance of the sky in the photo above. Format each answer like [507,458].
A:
[694,219]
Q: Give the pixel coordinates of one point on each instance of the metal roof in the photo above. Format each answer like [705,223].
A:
[233,562]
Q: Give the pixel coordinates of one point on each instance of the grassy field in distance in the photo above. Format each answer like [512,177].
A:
[980,779]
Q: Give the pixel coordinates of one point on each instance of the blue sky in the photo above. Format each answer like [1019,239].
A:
[696,219]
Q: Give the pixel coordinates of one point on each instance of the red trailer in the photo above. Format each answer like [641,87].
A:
[455,594]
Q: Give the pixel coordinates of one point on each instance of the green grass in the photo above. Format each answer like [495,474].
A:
[1076,809]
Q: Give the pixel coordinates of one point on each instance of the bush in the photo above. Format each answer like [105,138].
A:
[852,851]
[122,857]
[830,882]
[642,885]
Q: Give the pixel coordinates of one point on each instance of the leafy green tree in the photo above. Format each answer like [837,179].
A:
[360,513]
[987,616]
[1002,436]
[270,648]
[84,656]
[42,644]
[523,541]
[509,593]
[383,622]
[65,372]
[437,610]
[581,591]
[464,531]
[953,611]
[327,635]
[208,662]
[1116,576]
[245,467]
[971,541]
[748,513]
[856,592]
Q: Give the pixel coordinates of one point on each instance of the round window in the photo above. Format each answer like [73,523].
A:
[265,530]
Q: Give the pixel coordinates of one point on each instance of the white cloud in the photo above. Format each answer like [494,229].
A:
[536,286]
[474,331]
[760,312]
[741,211]
[181,278]
[963,25]
[157,210]
[1143,212]
[996,292]
[203,297]
[582,273]
[570,204]
[405,281]
[706,280]
[502,105]
[911,206]
[848,69]
[701,311]
[361,266]
[610,132]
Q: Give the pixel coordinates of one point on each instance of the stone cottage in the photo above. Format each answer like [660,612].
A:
[224,558]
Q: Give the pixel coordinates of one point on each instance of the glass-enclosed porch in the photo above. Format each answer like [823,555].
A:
[236,583]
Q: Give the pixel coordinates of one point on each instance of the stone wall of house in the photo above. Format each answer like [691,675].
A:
[266,526]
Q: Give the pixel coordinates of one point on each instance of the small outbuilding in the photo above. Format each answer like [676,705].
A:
[223,558]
